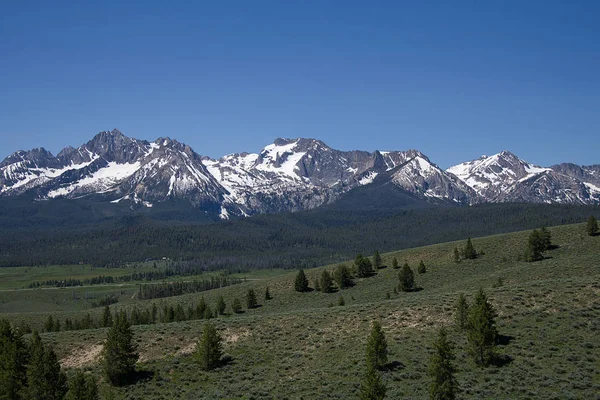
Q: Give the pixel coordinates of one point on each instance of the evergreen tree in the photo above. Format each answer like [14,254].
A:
[301,282]
[376,347]
[107,317]
[535,246]
[13,362]
[209,349]
[462,312]
[395,263]
[201,308]
[221,305]
[421,269]
[236,306]
[441,370]
[326,282]
[49,325]
[546,239]
[82,388]
[45,380]
[154,313]
[342,276]
[318,284]
[481,334]
[341,301]
[268,294]
[456,256]
[592,226]
[363,266]
[470,252]
[372,386]
[407,279]
[251,299]
[119,354]
[376,260]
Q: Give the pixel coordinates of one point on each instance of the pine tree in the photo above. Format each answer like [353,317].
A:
[481,334]
[209,349]
[363,266]
[13,362]
[49,325]
[82,388]
[221,305]
[546,239]
[154,313]
[395,263]
[326,282]
[407,279]
[301,282]
[45,380]
[462,312]
[372,386]
[119,354]
[343,276]
[441,370]
[421,269]
[201,308]
[470,252]
[592,226]
[376,260]
[535,246]
[456,256]
[107,317]
[236,306]
[341,301]
[376,347]
[251,299]
[268,294]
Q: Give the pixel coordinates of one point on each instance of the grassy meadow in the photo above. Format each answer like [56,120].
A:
[303,345]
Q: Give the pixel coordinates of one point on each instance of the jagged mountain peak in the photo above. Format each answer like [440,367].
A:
[289,174]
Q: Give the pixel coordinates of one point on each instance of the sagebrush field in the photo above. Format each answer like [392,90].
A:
[304,345]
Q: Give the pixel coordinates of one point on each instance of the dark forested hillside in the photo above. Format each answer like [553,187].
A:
[277,240]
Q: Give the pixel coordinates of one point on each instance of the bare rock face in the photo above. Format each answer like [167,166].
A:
[287,175]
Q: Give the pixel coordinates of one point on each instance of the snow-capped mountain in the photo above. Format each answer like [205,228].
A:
[505,177]
[287,175]
[113,165]
[291,175]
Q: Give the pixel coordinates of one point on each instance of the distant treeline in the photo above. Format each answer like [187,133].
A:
[168,289]
[177,269]
[292,240]
[161,313]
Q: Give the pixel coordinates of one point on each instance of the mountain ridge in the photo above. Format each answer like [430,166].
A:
[285,176]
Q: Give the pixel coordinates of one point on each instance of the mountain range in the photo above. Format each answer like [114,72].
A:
[287,175]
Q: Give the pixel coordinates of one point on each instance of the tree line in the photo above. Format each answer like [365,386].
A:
[300,240]
[168,289]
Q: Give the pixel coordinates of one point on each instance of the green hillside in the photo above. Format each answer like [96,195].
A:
[303,345]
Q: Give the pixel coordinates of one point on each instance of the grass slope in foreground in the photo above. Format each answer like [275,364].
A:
[302,345]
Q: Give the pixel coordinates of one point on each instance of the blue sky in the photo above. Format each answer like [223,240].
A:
[452,79]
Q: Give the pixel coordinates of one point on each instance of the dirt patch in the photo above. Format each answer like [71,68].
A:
[189,349]
[85,355]
[232,337]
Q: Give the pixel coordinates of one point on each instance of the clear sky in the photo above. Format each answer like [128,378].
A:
[454,79]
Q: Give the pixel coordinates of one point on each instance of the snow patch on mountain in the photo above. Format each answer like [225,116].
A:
[369,178]
[100,181]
